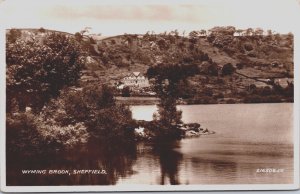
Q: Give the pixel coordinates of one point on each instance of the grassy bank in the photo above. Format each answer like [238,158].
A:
[137,100]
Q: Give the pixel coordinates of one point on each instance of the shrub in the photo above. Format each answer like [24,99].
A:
[104,120]
[65,137]
[209,68]
[29,134]
[126,92]
[112,125]
[248,46]
[22,135]
[228,69]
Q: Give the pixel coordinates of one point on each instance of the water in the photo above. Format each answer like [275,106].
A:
[248,137]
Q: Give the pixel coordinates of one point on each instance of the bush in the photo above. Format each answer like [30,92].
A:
[104,120]
[22,135]
[228,69]
[209,68]
[126,92]
[112,125]
[30,134]
[248,46]
[65,137]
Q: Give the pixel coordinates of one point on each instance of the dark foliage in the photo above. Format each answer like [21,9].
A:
[167,78]
[228,69]
[13,35]
[105,120]
[126,92]
[37,71]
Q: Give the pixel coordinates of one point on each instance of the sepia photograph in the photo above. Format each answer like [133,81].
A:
[149,95]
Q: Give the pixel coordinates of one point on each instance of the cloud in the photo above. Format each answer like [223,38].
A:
[159,15]
[130,12]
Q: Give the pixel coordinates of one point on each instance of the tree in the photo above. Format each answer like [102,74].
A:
[269,32]
[162,44]
[78,36]
[193,34]
[105,120]
[13,35]
[126,92]
[36,71]
[167,78]
[249,32]
[42,30]
[228,30]
[239,31]
[203,32]
[259,31]
[92,41]
[85,30]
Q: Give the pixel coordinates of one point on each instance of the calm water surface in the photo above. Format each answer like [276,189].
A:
[248,137]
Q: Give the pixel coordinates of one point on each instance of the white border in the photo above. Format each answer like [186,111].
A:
[132,187]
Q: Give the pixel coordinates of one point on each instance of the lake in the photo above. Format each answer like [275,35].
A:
[248,137]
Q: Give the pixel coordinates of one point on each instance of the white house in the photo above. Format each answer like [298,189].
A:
[136,79]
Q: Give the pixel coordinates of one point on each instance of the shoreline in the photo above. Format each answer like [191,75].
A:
[143,131]
[140,101]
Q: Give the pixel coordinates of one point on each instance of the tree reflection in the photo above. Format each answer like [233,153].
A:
[117,161]
[169,160]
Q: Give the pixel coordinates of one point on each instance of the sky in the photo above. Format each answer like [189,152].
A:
[132,16]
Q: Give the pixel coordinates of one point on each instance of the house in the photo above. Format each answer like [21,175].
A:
[136,79]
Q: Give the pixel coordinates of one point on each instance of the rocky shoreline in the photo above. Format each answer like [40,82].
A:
[189,130]
[195,130]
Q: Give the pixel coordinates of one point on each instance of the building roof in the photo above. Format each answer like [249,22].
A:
[136,73]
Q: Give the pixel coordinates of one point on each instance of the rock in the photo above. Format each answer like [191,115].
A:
[193,125]
[191,134]
[205,131]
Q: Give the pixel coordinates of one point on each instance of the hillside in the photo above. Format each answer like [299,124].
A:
[256,59]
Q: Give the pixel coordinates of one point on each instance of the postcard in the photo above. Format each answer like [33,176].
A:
[149,95]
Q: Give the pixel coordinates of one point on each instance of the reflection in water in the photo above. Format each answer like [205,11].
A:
[247,137]
[169,160]
[116,162]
